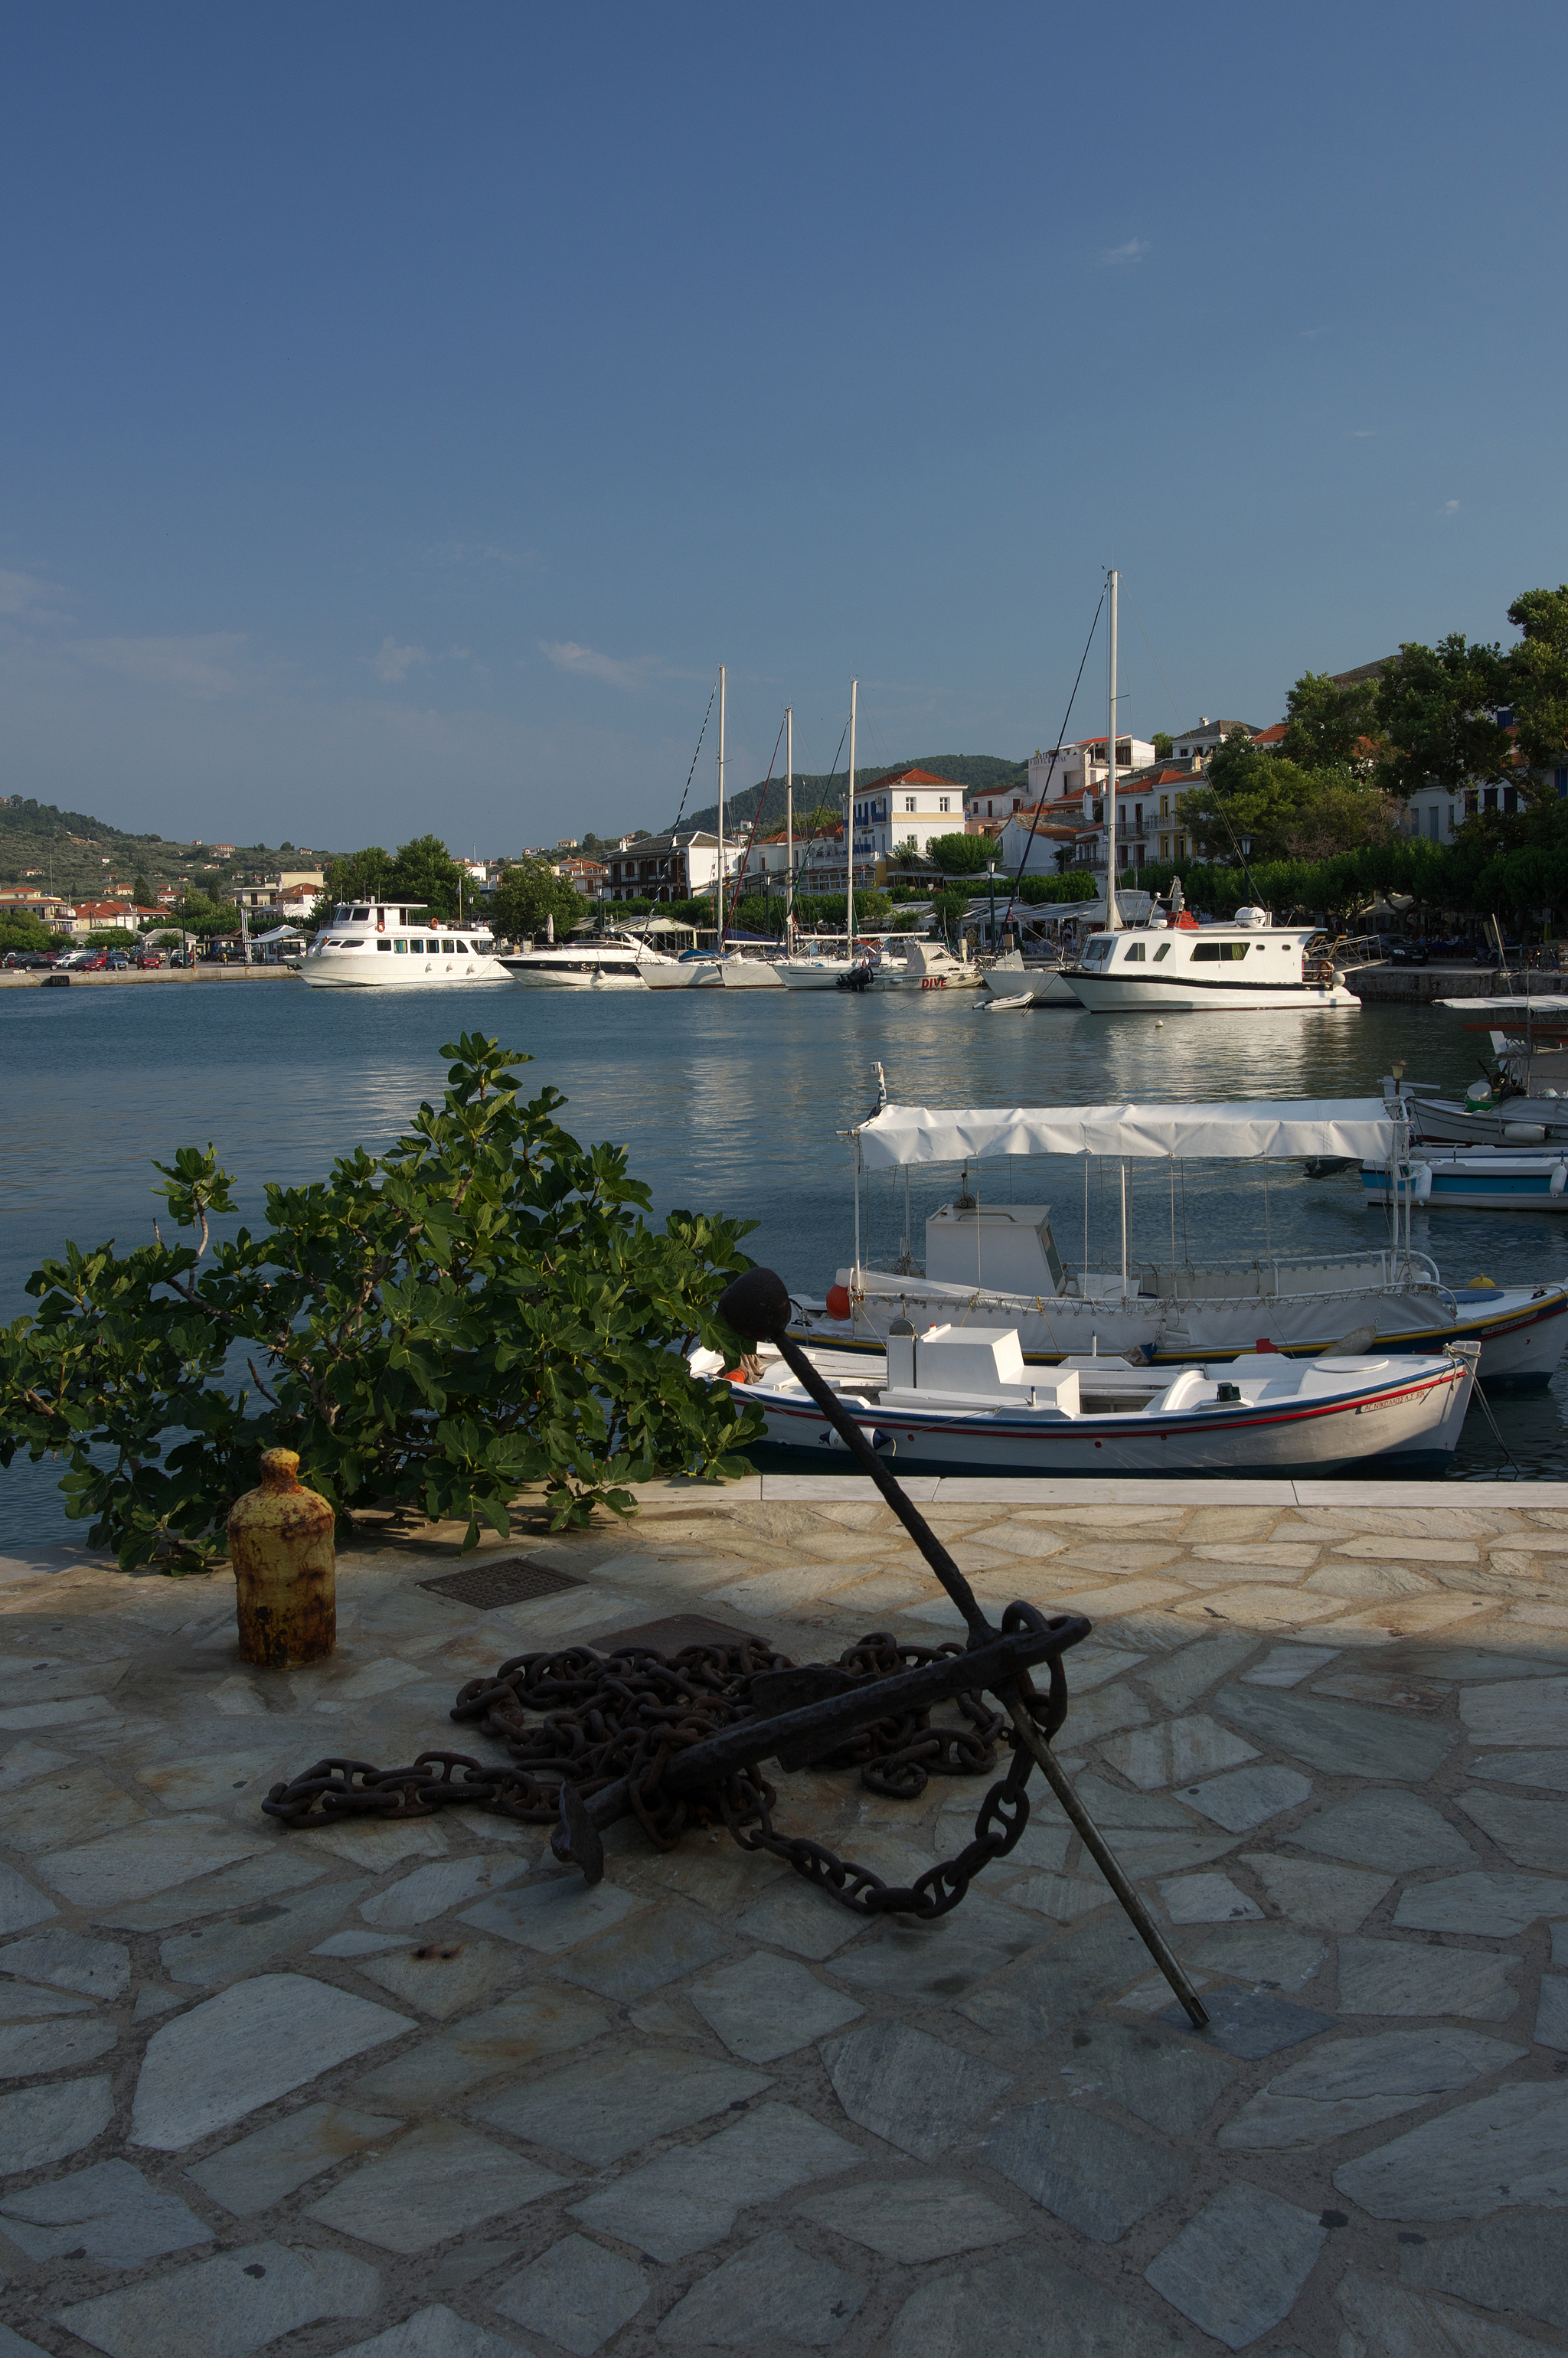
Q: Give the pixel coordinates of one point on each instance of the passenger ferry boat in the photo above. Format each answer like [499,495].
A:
[1183,968]
[394,943]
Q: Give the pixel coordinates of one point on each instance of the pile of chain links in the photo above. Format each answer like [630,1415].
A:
[590,1720]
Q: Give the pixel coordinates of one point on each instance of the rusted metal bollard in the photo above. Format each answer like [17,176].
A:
[285,1568]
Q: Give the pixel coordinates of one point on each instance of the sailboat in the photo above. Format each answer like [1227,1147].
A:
[828,968]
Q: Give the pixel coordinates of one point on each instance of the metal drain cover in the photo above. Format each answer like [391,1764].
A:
[490,1586]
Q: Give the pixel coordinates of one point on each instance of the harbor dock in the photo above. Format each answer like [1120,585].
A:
[418,2064]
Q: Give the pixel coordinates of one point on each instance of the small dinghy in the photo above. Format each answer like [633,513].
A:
[962,1400]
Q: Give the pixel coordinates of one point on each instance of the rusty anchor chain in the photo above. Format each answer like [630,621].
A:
[681,1739]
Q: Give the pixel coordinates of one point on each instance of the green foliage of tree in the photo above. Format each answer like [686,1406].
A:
[198,915]
[425,871]
[1329,727]
[1436,709]
[529,893]
[1286,811]
[20,930]
[483,1307]
[1538,676]
[962,855]
[141,891]
[1164,745]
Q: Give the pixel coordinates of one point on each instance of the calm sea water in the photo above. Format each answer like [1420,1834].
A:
[729,1101]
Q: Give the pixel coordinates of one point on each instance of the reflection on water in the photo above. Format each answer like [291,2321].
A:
[728,1100]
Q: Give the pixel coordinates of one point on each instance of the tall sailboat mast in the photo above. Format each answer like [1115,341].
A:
[850,822]
[1112,911]
[718,886]
[789,830]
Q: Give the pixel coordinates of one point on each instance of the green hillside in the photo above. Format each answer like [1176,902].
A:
[74,853]
[981,771]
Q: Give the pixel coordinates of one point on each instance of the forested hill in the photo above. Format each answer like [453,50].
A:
[977,770]
[73,852]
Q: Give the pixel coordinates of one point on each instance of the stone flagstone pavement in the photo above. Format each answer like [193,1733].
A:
[414,2093]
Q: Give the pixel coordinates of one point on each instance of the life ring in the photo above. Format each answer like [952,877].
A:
[1325,970]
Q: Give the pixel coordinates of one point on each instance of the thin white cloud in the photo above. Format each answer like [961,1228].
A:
[586,663]
[1449,507]
[1362,433]
[1133,251]
[392,662]
[21,593]
[200,666]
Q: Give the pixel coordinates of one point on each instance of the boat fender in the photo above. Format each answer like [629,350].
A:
[1354,1346]
[1524,1134]
[1559,1177]
[838,1303]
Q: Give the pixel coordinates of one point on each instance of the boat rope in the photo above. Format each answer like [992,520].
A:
[750,840]
[1061,733]
[1497,1429]
[692,771]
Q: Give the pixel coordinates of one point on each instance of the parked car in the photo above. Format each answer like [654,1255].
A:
[145,958]
[118,963]
[28,962]
[92,962]
[182,958]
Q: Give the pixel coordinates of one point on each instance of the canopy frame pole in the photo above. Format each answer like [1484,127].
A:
[1123,1174]
[855,1276]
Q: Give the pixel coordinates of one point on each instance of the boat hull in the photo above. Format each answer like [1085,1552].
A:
[1042,985]
[1130,994]
[323,971]
[1405,1426]
[1522,1330]
[1488,1181]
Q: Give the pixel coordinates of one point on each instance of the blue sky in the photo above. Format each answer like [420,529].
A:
[405,409]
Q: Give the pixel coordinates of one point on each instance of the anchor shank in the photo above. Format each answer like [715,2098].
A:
[1099,1850]
[910,1516]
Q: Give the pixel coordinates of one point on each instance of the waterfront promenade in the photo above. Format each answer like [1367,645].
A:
[415,2090]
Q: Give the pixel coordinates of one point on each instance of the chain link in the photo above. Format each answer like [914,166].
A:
[591,1720]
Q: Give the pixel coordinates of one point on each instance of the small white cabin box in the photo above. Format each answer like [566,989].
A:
[1008,1247]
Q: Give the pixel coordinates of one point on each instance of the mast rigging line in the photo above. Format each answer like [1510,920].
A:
[1061,733]
[750,840]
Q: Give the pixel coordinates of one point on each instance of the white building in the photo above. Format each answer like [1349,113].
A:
[905,806]
[1070,770]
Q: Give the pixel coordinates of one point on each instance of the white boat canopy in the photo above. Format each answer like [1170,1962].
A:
[1358,1128]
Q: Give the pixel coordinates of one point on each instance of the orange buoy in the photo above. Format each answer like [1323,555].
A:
[837,1302]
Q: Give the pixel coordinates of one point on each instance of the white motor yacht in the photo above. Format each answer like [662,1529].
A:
[617,962]
[394,945]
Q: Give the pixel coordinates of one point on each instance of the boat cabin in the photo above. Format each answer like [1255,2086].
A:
[401,929]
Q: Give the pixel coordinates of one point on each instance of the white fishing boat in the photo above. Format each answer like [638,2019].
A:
[1244,966]
[998,1263]
[394,945]
[615,961]
[963,1400]
[693,971]
[1473,1179]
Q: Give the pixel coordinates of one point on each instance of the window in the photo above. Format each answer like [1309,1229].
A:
[1431,822]
[360,917]
[1562,778]
[1163,952]
[1490,798]
[1135,952]
[943,803]
[462,948]
[1510,798]
[400,947]
[1164,846]
[909,802]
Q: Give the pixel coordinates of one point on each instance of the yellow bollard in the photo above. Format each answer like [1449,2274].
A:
[285,1568]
